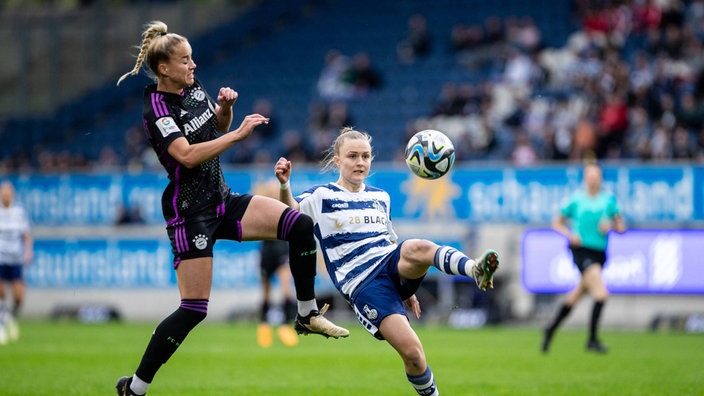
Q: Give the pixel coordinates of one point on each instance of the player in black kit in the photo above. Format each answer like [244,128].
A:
[182,124]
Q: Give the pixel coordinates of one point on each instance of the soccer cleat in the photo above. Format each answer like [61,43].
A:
[596,347]
[315,323]
[264,335]
[123,387]
[287,336]
[13,330]
[484,268]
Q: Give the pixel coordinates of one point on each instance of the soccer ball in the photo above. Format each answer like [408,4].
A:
[430,154]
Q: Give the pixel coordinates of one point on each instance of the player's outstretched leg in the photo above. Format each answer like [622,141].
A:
[315,323]
[453,262]
[484,268]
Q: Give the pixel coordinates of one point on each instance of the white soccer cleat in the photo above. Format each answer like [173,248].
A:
[315,323]
[484,268]
[13,330]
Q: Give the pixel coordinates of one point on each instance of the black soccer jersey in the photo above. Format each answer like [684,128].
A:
[168,116]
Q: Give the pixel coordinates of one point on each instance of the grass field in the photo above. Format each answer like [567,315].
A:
[223,359]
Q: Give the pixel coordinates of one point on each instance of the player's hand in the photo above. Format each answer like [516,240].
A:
[282,170]
[227,97]
[248,125]
[575,240]
[605,226]
[413,305]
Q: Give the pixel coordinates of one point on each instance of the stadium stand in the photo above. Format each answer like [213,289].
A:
[277,51]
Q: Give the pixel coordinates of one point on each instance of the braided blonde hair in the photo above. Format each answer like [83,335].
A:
[334,149]
[157,46]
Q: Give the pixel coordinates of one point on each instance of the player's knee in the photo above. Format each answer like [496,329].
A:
[294,225]
[601,295]
[420,248]
[413,356]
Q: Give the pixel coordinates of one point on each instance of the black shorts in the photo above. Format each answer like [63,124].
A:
[584,257]
[274,254]
[195,236]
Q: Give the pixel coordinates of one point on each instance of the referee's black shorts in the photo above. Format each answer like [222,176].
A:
[584,257]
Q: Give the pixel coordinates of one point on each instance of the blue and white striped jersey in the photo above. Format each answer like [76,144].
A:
[14,223]
[353,230]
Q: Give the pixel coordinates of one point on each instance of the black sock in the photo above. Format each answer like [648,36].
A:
[264,310]
[561,315]
[297,229]
[168,335]
[594,324]
[16,309]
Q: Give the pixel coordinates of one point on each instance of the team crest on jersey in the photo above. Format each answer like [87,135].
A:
[201,241]
[166,126]
[370,312]
[198,94]
[378,206]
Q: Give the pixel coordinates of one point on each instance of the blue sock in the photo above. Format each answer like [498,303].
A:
[424,384]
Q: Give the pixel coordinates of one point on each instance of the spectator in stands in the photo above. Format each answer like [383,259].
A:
[449,101]
[189,131]
[585,219]
[295,146]
[16,251]
[269,130]
[418,41]
[331,84]
[362,75]
[524,152]
[613,124]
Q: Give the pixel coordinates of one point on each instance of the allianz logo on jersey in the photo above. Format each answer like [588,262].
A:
[197,122]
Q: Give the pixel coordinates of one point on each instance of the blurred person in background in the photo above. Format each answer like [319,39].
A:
[273,263]
[16,250]
[188,130]
[375,273]
[593,213]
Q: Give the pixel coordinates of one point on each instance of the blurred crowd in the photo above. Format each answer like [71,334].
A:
[628,84]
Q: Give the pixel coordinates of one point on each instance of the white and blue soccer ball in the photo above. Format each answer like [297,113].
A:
[430,154]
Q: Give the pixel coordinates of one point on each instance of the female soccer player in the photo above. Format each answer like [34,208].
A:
[593,213]
[182,122]
[16,251]
[376,275]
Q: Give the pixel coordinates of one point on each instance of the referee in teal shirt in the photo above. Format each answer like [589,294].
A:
[586,218]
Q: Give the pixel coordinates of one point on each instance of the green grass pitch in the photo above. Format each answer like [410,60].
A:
[69,358]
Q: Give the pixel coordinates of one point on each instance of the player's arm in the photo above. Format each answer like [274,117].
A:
[223,111]
[192,155]
[413,305]
[559,224]
[282,170]
[618,224]
[28,247]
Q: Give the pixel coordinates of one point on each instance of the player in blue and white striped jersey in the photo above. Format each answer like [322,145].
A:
[16,251]
[375,273]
